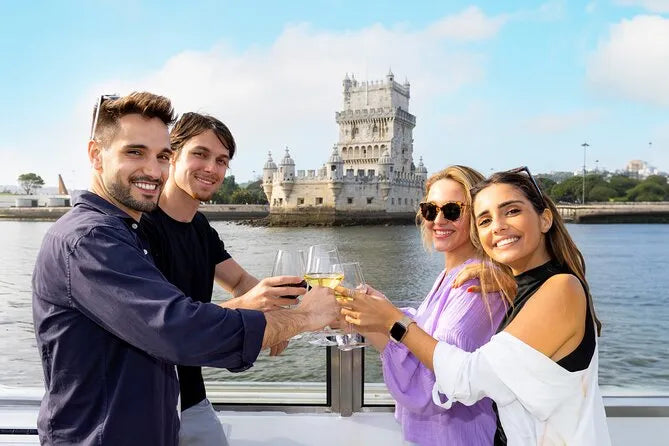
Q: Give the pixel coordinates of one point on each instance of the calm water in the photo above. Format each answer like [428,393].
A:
[628,269]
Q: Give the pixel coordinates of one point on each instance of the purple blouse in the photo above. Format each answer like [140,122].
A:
[460,318]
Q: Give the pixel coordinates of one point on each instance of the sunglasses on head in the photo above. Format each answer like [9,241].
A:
[524,169]
[96,118]
[450,210]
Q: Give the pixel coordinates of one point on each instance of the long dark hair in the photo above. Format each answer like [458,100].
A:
[559,243]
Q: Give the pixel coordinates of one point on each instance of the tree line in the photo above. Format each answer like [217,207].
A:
[232,193]
[602,189]
[597,188]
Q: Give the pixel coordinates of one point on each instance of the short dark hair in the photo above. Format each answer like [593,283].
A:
[192,124]
[142,103]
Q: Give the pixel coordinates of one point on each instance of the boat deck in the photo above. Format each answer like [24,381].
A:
[632,420]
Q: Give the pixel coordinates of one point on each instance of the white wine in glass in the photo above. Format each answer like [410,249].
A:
[353,279]
[321,271]
[329,280]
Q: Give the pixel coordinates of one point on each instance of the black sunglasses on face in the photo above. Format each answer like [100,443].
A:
[527,171]
[450,210]
[101,100]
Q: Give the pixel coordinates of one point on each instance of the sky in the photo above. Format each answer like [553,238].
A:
[494,85]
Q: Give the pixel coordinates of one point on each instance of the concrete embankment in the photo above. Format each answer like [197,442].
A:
[213,212]
[636,212]
[330,217]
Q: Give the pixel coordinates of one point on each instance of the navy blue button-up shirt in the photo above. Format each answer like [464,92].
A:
[110,328]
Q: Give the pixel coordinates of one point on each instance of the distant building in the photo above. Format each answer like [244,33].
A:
[640,169]
[370,174]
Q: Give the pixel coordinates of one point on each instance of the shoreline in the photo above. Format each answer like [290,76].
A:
[259,215]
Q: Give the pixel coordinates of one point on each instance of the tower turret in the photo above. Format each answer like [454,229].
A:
[287,173]
[268,171]
[335,166]
[385,164]
[421,170]
[335,173]
[385,172]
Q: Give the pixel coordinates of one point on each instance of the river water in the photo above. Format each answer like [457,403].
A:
[628,271]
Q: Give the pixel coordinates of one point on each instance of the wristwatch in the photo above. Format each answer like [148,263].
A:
[399,329]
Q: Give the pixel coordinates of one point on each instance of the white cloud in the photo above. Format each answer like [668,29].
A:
[469,25]
[650,5]
[633,61]
[557,123]
[287,93]
[590,7]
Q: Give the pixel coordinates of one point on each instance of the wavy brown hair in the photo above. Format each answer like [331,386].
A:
[559,243]
[147,105]
[192,124]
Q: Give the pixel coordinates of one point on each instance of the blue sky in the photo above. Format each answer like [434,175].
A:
[494,84]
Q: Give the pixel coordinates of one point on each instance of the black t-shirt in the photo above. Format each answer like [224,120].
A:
[187,255]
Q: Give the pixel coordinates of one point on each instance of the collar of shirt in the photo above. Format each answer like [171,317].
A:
[94,201]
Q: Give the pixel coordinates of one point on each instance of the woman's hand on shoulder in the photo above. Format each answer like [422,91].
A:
[553,316]
[485,276]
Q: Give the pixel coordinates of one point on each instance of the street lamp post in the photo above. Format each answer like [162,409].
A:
[584,145]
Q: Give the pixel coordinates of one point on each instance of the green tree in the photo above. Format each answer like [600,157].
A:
[569,190]
[545,184]
[224,193]
[602,192]
[656,179]
[622,184]
[647,191]
[30,182]
[256,189]
[242,196]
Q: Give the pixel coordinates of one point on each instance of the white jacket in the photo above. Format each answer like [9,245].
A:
[539,402]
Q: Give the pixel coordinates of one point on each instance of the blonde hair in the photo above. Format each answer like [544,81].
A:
[559,243]
[467,178]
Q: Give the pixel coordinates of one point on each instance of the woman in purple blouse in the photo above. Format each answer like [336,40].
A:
[460,316]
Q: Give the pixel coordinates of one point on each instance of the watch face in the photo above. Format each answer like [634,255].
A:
[397,331]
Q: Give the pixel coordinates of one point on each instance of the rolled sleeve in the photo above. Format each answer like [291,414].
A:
[254,329]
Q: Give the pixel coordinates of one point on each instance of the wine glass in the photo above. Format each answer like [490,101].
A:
[290,263]
[353,279]
[321,271]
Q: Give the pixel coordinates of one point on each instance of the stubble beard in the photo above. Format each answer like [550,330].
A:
[122,193]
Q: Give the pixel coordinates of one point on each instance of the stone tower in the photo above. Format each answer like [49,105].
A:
[370,176]
[375,118]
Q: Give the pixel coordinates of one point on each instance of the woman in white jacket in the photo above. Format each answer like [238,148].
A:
[541,367]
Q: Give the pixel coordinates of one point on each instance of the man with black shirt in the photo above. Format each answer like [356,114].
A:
[191,255]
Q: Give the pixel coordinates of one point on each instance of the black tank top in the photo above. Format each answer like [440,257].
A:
[528,284]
